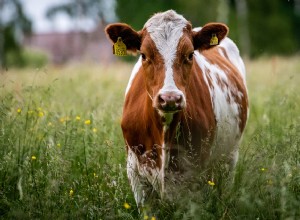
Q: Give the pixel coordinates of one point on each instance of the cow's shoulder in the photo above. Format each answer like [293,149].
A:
[230,51]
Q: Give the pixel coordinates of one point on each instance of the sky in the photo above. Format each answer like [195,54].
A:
[36,11]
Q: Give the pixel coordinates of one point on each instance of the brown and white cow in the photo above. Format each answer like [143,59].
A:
[186,103]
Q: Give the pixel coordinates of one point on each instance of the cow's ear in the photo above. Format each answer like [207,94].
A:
[129,36]
[209,36]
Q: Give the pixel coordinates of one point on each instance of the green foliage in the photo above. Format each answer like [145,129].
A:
[26,58]
[272,24]
[62,155]
[12,27]
[136,13]
[198,12]
[272,30]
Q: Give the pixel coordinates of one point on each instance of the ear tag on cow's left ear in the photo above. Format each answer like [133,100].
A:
[119,48]
[214,40]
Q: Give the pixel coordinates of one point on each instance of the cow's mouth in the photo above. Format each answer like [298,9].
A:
[169,110]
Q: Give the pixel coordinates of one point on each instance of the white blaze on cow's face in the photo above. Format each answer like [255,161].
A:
[167,51]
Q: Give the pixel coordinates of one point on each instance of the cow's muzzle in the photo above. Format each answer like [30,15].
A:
[170,102]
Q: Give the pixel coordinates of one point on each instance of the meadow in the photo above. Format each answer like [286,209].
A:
[62,155]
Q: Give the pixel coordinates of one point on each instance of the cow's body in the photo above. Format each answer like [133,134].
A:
[182,113]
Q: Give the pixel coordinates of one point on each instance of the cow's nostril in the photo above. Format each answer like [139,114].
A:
[178,100]
[162,101]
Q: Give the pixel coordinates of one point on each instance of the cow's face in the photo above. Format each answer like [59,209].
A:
[167,44]
[167,57]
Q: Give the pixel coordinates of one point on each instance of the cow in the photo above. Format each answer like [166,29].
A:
[186,103]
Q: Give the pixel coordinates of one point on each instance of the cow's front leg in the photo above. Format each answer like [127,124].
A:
[142,187]
[139,185]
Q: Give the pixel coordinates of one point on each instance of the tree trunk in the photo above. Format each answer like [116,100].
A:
[1,36]
[243,28]
[223,11]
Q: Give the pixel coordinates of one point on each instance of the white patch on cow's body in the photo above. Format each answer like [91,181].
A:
[134,71]
[234,55]
[137,185]
[225,108]
[165,30]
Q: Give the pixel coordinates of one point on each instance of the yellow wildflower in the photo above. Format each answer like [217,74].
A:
[95,130]
[33,157]
[211,183]
[77,118]
[153,218]
[71,193]
[126,205]
[87,122]
[41,114]
[19,110]
[58,145]
[146,217]
[263,169]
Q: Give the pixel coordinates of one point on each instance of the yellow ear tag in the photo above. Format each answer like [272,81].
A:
[119,48]
[214,40]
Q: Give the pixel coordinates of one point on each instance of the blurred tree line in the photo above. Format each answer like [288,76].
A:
[258,27]
[13,25]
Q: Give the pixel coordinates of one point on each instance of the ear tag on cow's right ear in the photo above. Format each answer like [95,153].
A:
[119,48]
[214,40]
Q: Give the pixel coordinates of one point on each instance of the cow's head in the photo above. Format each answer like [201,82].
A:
[167,44]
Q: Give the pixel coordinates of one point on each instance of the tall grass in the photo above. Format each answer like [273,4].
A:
[62,155]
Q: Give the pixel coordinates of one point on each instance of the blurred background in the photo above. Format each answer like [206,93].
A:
[40,32]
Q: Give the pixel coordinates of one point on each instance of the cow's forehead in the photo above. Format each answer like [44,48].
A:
[165,30]
[159,20]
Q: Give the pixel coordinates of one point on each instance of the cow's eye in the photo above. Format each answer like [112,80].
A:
[143,56]
[190,56]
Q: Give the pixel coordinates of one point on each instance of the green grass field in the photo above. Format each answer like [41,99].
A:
[62,155]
